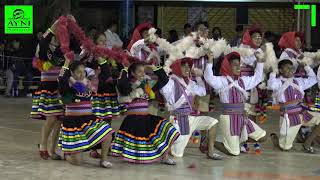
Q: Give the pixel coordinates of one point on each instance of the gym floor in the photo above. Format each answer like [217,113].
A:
[19,157]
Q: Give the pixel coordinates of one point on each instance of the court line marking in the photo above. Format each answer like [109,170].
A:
[22,130]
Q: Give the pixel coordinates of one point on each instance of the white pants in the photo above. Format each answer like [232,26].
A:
[232,143]
[195,123]
[286,139]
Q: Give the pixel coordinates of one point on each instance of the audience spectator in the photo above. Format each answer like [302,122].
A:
[10,73]
[113,39]
[159,32]
[92,32]
[22,64]
[187,29]
[236,41]
[216,33]
[2,48]
[173,36]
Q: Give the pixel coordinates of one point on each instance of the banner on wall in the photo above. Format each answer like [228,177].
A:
[145,14]
[196,14]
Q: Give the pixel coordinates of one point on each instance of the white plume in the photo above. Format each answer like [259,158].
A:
[271,59]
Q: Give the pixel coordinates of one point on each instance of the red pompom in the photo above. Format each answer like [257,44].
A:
[258,151]
[63,34]
[192,166]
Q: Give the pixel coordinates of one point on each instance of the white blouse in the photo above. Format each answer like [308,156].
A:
[219,83]
[276,84]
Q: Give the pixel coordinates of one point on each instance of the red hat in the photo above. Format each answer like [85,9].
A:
[176,66]
[225,69]
[288,39]
[136,36]
[246,39]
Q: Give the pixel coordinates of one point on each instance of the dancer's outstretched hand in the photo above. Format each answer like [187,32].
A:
[71,17]
[196,72]
[210,57]
[260,57]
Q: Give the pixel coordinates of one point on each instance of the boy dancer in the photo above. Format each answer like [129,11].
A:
[289,93]
[232,89]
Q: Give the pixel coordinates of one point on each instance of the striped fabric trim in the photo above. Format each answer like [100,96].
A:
[230,109]
[138,107]
[294,109]
[293,106]
[145,150]
[236,112]
[50,75]
[45,104]
[291,54]
[182,116]
[78,109]
[77,140]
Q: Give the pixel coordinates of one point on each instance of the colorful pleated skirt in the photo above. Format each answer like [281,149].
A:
[106,105]
[46,101]
[144,139]
[81,133]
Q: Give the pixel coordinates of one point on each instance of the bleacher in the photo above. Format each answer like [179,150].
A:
[4,66]
[33,86]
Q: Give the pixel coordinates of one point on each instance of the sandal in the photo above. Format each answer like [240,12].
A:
[204,148]
[308,150]
[105,164]
[215,156]
[94,154]
[43,153]
[275,140]
[244,148]
[168,161]
[55,156]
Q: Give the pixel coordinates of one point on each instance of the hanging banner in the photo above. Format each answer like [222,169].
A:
[196,14]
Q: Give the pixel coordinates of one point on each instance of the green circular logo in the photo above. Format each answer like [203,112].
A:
[18,14]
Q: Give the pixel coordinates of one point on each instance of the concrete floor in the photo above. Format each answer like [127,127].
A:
[19,157]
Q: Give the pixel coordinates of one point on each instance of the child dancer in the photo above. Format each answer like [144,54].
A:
[236,127]
[105,102]
[252,38]
[257,103]
[142,138]
[179,91]
[105,99]
[200,63]
[141,48]
[148,52]
[46,103]
[81,130]
[289,93]
[291,43]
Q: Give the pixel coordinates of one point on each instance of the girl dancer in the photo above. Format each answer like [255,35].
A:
[46,103]
[105,103]
[81,130]
[142,138]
